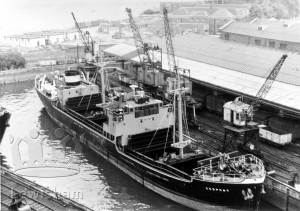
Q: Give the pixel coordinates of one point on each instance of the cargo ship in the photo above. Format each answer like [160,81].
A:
[4,118]
[139,135]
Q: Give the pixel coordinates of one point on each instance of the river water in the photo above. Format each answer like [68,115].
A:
[101,185]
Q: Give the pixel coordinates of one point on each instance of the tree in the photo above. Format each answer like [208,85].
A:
[279,11]
[268,9]
[256,11]
[11,60]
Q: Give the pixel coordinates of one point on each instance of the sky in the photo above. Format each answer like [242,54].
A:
[18,16]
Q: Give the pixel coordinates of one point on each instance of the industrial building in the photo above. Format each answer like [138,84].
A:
[201,17]
[42,38]
[283,35]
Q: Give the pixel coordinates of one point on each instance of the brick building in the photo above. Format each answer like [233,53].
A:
[208,18]
[283,35]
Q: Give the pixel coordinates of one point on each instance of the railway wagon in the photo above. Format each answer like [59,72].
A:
[289,125]
[275,136]
[200,97]
[215,103]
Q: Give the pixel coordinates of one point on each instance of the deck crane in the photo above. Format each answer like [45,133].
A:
[87,41]
[238,113]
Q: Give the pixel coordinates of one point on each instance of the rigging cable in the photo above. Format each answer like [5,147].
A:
[168,132]
[156,131]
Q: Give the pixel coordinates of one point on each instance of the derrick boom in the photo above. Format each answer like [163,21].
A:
[169,44]
[265,88]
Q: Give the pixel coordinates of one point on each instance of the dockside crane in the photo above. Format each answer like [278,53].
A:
[239,113]
[151,66]
[238,116]
[142,48]
[87,41]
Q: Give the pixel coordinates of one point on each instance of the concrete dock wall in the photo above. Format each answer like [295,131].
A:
[18,75]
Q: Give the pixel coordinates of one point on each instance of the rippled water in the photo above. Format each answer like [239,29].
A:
[101,185]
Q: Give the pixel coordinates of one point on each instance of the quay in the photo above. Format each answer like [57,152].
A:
[36,196]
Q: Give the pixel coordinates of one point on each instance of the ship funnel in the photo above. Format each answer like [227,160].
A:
[133,87]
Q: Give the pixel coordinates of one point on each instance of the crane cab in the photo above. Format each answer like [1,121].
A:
[236,112]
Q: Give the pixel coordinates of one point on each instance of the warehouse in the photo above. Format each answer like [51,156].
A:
[273,34]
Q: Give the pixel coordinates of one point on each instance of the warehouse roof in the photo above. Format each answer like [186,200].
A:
[282,31]
[235,67]
[221,13]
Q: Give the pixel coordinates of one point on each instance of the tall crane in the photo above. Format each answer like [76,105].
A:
[141,47]
[239,113]
[169,43]
[87,41]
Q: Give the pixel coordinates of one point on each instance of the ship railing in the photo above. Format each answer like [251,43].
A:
[210,171]
[87,122]
[221,177]
[158,165]
[207,173]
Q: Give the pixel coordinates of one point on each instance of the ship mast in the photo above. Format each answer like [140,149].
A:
[102,76]
[178,91]
[179,108]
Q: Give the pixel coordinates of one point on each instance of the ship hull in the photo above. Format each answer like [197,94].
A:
[3,124]
[197,194]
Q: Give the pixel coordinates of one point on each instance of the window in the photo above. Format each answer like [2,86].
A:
[272,44]
[226,35]
[257,42]
[237,116]
[112,137]
[282,46]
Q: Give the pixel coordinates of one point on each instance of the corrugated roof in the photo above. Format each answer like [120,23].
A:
[221,13]
[123,51]
[233,66]
[257,61]
[273,31]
